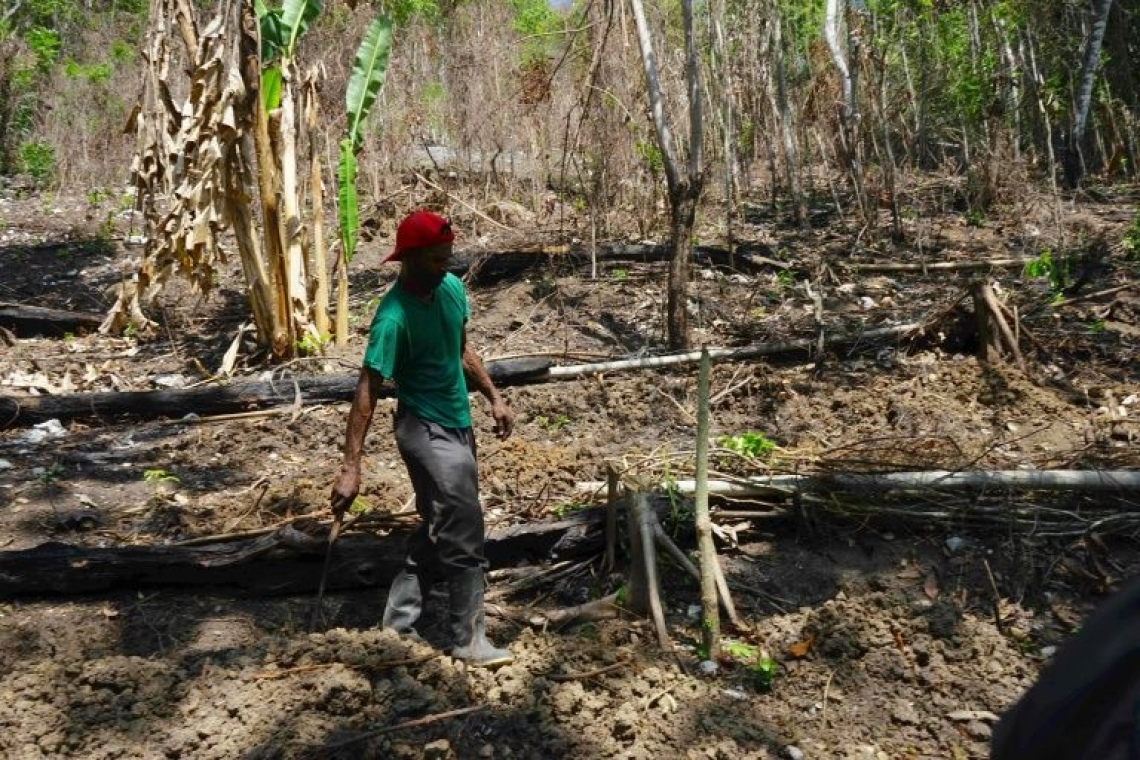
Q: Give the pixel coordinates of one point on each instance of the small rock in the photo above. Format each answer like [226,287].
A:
[973,715]
[708,668]
[956,544]
[734,694]
[904,712]
[437,750]
[487,750]
[170,381]
[5,464]
[44,431]
[793,752]
[978,730]
[1046,652]
[866,752]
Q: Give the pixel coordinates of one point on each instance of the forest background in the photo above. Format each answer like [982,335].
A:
[860,106]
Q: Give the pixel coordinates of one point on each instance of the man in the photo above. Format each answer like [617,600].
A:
[418,340]
[1085,704]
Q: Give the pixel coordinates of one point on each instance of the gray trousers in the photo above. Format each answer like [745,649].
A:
[441,464]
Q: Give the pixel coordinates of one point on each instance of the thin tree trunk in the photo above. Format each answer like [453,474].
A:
[683,204]
[317,189]
[836,10]
[297,304]
[710,619]
[1074,158]
[683,192]
[280,342]
[778,94]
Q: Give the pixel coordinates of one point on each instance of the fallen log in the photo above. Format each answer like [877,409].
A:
[734,354]
[1085,481]
[489,267]
[28,321]
[286,561]
[935,266]
[17,411]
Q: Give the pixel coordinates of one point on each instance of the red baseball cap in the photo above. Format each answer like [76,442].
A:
[419,229]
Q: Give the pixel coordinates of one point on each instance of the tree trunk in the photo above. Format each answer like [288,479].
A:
[240,184]
[683,210]
[317,191]
[710,618]
[836,11]
[778,95]
[684,192]
[1074,164]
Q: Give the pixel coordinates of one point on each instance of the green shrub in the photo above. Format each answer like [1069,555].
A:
[751,444]
[1131,240]
[45,45]
[37,160]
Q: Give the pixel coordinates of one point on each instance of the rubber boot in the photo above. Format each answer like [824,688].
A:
[405,603]
[468,627]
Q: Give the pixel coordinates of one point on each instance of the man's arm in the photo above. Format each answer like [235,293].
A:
[347,484]
[478,379]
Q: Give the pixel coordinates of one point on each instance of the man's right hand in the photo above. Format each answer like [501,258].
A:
[345,489]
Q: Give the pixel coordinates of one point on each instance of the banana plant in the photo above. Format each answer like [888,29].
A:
[286,245]
[368,72]
[280,30]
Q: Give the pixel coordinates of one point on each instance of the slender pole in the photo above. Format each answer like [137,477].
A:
[710,620]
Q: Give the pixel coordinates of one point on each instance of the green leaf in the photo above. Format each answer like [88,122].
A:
[347,208]
[295,17]
[368,72]
[271,87]
[272,30]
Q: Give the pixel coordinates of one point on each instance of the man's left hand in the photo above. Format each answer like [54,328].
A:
[504,419]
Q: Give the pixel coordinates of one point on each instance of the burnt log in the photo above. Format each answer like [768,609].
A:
[20,411]
[286,561]
[484,268]
[28,321]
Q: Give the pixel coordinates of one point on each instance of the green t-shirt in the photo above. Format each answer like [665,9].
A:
[417,344]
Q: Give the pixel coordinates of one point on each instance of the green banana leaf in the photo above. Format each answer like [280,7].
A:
[271,87]
[282,27]
[272,30]
[347,212]
[296,15]
[368,72]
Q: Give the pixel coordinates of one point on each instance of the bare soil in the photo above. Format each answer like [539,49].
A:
[884,628]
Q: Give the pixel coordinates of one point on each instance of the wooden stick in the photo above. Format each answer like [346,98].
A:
[985,289]
[1091,296]
[730,354]
[710,618]
[679,556]
[399,727]
[652,591]
[996,597]
[462,202]
[726,597]
[599,609]
[611,519]
[936,265]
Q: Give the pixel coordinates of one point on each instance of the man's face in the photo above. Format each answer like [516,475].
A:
[429,264]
